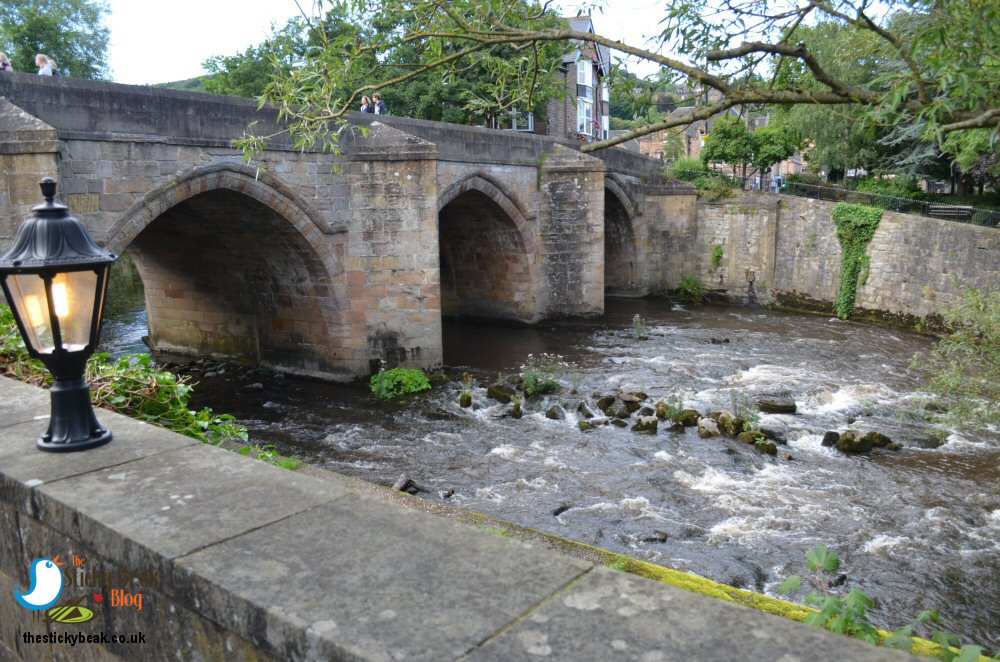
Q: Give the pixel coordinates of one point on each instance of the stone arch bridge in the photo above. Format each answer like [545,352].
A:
[325,264]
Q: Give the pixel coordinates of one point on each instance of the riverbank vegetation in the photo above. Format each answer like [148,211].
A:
[392,383]
[849,614]
[135,386]
[963,370]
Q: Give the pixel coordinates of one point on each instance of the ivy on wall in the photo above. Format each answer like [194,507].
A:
[856,225]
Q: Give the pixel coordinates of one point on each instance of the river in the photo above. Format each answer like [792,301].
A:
[916,529]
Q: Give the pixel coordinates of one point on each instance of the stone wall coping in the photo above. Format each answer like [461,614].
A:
[306,569]
[103,111]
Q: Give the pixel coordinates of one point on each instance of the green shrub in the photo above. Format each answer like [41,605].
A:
[717,253]
[539,374]
[687,168]
[964,368]
[131,385]
[806,178]
[849,614]
[714,187]
[899,187]
[394,382]
[269,454]
[691,289]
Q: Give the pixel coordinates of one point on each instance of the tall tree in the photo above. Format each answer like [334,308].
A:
[945,53]
[729,142]
[474,91]
[248,74]
[69,31]
[771,145]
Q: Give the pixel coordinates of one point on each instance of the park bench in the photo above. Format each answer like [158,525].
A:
[950,212]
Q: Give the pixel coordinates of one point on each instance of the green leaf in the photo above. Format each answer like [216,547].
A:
[901,639]
[929,616]
[790,585]
[969,653]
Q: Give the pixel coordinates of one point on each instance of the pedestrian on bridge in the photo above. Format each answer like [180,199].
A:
[43,64]
[5,63]
[380,108]
[366,105]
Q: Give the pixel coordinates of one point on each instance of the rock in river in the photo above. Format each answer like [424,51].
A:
[775,404]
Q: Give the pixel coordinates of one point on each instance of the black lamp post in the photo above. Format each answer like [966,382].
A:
[55,278]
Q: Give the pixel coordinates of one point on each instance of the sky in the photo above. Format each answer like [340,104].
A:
[158,42]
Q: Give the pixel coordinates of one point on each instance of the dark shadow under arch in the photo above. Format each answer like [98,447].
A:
[227,273]
[620,250]
[487,263]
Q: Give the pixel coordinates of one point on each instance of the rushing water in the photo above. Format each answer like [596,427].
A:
[917,529]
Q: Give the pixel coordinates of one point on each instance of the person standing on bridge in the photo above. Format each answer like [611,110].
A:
[380,108]
[43,64]
[366,105]
[5,63]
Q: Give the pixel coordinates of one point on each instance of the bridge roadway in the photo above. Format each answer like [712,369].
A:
[240,560]
[325,264]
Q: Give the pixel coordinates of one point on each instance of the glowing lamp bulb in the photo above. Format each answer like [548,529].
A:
[60,298]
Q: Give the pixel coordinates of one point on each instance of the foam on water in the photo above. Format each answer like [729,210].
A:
[640,508]
[957,441]
[489,494]
[846,398]
[883,545]
[765,376]
[506,451]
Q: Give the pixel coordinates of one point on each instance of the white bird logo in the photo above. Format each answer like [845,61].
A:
[46,585]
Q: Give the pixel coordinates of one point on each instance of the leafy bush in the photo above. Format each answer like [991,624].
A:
[899,187]
[687,168]
[394,382]
[691,289]
[539,375]
[964,368]
[715,187]
[269,454]
[131,385]
[807,178]
[849,615]
[134,386]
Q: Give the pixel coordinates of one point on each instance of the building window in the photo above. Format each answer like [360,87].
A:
[522,121]
[515,120]
[585,79]
[605,94]
[605,125]
[584,116]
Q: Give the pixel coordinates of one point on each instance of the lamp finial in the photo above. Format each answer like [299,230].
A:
[48,186]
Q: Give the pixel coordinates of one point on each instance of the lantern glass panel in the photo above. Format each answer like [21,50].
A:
[73,297]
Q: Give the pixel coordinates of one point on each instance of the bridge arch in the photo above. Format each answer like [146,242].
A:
[621,245]
[236,266]
[487,252]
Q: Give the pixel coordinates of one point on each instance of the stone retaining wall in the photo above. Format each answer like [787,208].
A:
[784,249]
[235,559]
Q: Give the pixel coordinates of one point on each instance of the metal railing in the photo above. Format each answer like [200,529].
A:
[944,211]
[960,213]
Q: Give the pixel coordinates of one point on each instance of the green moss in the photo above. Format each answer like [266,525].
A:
[856,225]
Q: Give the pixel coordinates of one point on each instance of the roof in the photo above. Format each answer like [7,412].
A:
[586,24]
